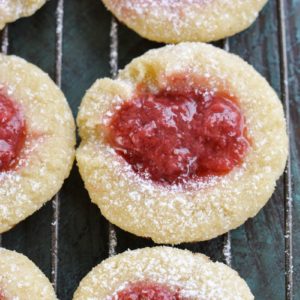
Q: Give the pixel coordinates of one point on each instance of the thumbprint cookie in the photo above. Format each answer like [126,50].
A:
[173,21]
[21,279]
[11,10]
[37,139]
[186,144]
[162,273]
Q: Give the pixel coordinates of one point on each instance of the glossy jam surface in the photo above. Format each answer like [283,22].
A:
[172,137]
[147,291]
[12,132]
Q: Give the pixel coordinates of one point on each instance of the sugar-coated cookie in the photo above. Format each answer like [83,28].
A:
[11,10]
[186,144]
[173,21]
[162,273]
[37,139]
[21,279]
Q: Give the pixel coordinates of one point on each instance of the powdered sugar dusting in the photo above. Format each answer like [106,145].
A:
[172,11]
[194,276]
[48,153]
[13,10]
[185,20]
[196,210]
[21,279]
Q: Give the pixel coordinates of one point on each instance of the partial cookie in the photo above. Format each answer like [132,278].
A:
[21,279]
[37,139]
[172,21]
[186,144]
[11,10]
[162,273]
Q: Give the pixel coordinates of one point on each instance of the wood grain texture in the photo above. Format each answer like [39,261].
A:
[293,44]
[257,247]
[83,236]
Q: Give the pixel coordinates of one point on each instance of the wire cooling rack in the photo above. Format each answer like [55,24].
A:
[114,53]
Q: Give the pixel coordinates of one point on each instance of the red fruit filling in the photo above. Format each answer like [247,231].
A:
[147,291]
[175,136]
[2,296]
[12,132]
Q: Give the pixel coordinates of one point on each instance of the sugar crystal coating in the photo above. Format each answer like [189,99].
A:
[173,21]
[199,210]
[20,278]
[47,155]
[180,274]
[11,10]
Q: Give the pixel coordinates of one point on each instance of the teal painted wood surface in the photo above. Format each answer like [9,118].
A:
[293,42]
[257,246]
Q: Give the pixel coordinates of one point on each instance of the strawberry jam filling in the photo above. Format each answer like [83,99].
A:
[172,136]
[2,296]
[12,132]
[147,291]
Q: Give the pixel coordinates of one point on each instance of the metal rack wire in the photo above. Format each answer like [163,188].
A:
[56,200]
[112,243]
[112,236]
[288,200]
[227,241]
[4,50]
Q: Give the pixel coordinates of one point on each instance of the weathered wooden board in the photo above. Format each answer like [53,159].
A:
[293,47]
[257,247]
